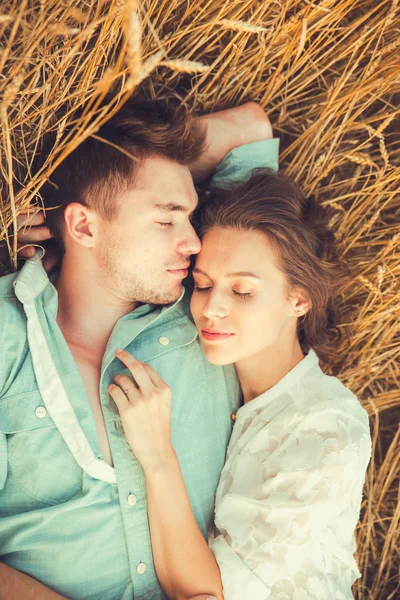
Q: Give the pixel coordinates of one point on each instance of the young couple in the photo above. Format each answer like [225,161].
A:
[117,398]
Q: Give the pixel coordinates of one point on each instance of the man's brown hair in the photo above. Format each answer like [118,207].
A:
[97,172]
[297,226]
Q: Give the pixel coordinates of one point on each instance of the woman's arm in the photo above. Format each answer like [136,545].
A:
[184,563]
[298,493]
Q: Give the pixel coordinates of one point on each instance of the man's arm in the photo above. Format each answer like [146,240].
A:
[15,585]
[229,129]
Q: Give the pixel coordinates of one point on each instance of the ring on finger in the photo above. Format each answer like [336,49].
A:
[133,387]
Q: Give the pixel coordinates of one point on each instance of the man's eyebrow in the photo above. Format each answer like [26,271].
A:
[171,207]
[237,274]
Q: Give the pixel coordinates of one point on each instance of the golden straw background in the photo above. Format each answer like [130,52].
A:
[327,72]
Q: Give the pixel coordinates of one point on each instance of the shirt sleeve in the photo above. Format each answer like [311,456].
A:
[291,537]
[239,163]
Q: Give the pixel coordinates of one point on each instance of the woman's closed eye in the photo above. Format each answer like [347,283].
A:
[208,288]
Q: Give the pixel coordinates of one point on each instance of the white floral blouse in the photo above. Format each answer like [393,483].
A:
[289,496]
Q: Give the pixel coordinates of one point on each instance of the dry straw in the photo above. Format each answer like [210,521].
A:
[327,71]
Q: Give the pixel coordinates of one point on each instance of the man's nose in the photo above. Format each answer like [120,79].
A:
[190,244]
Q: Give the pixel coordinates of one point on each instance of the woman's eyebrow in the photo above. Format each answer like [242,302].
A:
[238,274]
[242,274]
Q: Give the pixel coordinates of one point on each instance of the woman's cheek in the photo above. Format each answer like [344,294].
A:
[196,307]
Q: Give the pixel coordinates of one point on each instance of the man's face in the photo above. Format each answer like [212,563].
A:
[144,253]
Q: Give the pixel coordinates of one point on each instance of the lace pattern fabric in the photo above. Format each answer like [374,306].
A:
[289,496]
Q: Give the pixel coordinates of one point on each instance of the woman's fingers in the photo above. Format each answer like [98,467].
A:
[155,377]
[126,384]
[118,396]
[137,369]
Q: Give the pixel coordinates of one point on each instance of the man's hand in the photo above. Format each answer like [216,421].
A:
[33,230]
[228,129]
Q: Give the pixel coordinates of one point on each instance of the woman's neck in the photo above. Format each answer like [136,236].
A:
[260,372]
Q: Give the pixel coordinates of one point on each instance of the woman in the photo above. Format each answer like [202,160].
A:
[290,491]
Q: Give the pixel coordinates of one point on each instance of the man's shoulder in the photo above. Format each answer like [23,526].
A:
[13,330]
[7,286]
[10,306]
[11,310]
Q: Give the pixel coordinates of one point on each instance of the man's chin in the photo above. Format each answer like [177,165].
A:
[168,296]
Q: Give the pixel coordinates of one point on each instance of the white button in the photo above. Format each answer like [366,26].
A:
[164,341]
[40,412]
[249,563]
[141,568]
[132,500]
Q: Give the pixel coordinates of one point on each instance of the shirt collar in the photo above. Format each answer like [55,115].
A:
[31,279]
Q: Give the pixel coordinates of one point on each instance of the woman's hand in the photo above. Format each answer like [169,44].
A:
[144,406]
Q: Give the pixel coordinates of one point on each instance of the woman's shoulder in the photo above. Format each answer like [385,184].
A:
[325,395]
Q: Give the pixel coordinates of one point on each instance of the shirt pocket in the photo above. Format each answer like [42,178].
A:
[39,460]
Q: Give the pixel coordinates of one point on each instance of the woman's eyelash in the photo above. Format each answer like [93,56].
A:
[169,224]
[204,289]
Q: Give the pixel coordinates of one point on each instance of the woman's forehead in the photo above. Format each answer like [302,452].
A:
[236,251]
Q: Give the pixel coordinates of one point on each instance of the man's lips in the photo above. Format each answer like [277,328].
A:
[214,334]
[180,271]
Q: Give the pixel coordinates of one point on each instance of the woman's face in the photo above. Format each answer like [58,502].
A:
[241,303]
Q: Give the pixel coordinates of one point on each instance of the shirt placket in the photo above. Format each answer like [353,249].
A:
[130,477]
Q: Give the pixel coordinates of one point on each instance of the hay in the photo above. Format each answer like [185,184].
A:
[327,72]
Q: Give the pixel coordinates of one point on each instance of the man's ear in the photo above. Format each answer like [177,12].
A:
[80,224]
[301,302]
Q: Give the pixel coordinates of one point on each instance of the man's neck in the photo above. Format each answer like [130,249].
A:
[87,310]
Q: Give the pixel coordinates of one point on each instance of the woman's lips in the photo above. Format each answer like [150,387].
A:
[213,337]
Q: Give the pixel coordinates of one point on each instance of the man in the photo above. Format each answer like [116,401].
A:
[73,519]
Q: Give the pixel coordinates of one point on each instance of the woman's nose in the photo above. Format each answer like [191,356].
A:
[215,307]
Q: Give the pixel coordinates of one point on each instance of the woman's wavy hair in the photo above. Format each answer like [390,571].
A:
[297,225]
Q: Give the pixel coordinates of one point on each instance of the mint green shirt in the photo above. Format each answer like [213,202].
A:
[67,518]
